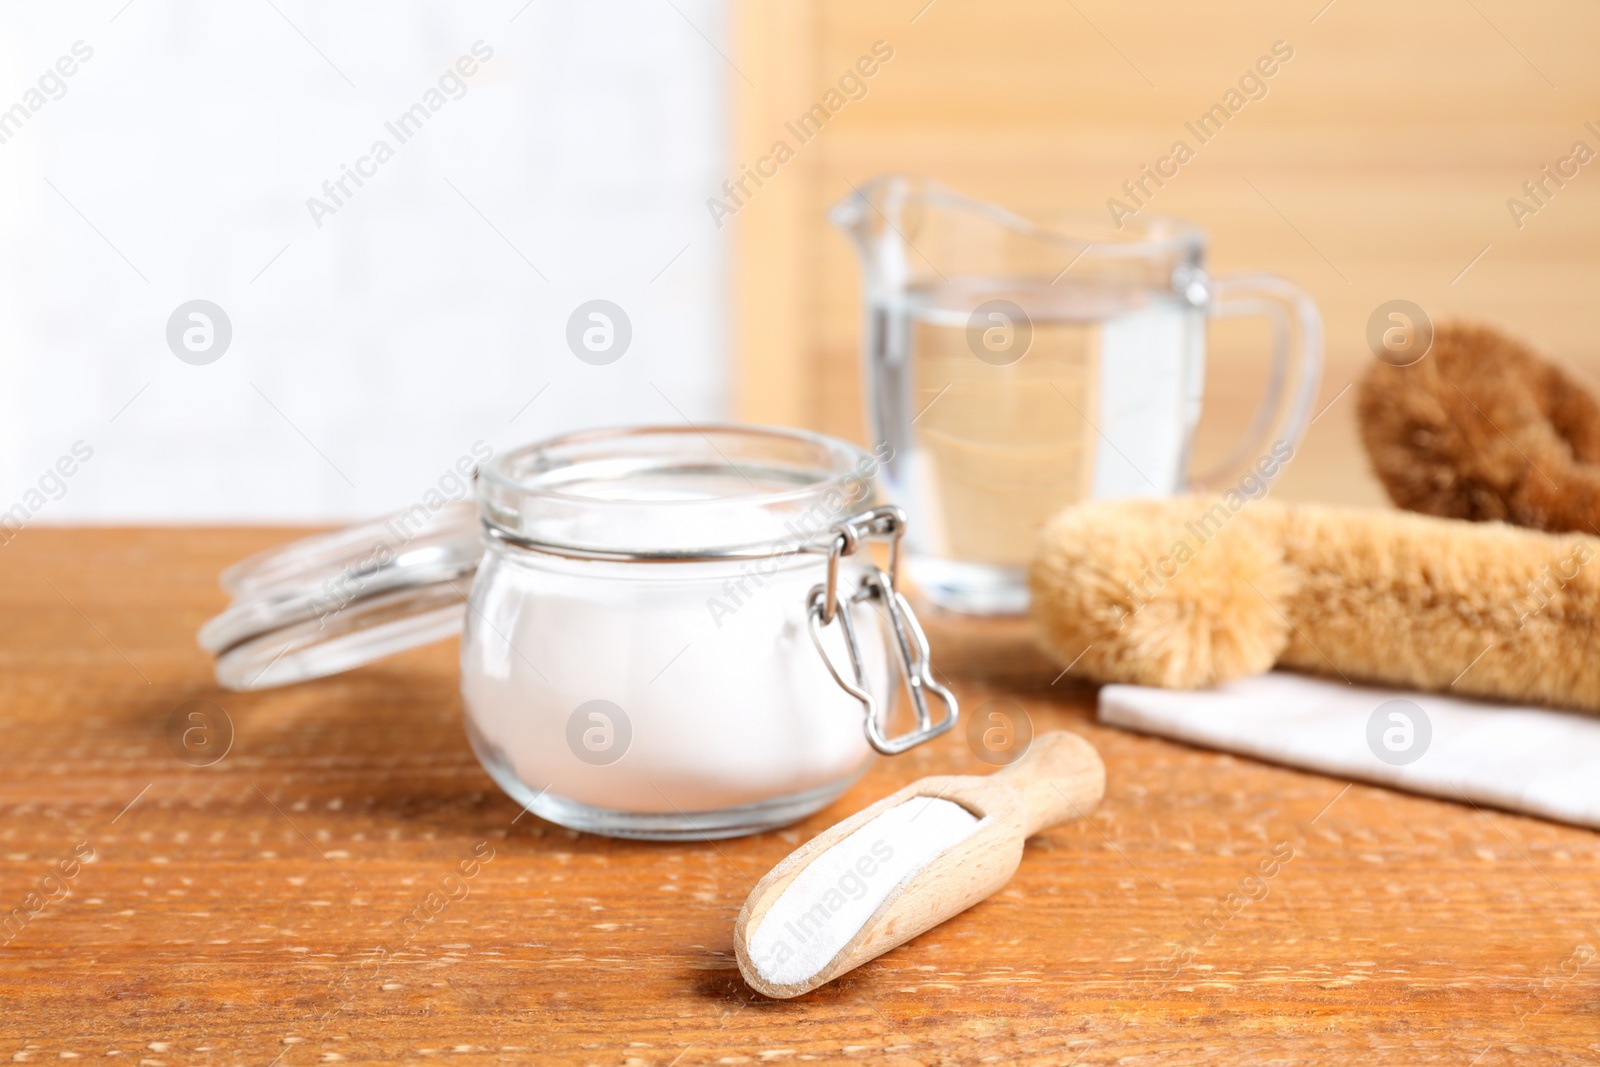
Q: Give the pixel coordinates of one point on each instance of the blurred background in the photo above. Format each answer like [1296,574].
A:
[379,331]
[371,346]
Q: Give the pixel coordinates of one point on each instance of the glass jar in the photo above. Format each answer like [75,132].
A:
[673,633]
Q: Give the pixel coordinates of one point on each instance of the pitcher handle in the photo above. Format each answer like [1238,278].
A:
[1296,345]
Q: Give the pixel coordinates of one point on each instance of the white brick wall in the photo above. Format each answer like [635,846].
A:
[405,327]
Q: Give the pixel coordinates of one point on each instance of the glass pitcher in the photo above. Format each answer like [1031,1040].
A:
[1014,368]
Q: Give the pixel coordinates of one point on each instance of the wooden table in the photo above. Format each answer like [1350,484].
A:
[230,913]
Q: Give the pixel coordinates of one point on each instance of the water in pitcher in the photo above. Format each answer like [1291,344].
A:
[1101,403]
[1102,400]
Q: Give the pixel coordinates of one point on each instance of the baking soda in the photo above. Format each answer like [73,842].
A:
[828,902]
[707,717]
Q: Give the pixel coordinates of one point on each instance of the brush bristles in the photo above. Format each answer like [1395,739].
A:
[1483,428]
[1179,593]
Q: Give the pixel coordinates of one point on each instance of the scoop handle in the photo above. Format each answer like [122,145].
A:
[1059,778]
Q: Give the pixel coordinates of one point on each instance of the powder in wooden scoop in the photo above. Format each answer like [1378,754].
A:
[827,903]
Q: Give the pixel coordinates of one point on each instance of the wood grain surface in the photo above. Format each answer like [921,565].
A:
[232,913]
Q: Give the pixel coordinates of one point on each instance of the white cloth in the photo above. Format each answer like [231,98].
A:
[1532,760]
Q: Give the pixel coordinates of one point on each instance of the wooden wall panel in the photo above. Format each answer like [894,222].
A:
[1384,154]
[773,226]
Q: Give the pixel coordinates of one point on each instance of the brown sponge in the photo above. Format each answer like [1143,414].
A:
[1188,592]
[1482,428]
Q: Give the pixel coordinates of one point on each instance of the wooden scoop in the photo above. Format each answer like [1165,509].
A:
[1059,778]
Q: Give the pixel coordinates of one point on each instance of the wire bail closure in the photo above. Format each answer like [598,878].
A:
[822,607]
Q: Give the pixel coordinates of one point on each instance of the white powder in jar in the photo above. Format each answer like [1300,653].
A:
[827,903]
[721,708]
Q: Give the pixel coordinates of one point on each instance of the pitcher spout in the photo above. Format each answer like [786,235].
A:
[910,232]
[873,217]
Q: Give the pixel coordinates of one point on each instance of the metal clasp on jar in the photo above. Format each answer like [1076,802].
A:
[822,609]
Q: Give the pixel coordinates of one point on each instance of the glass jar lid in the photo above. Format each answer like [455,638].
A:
[329,603]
